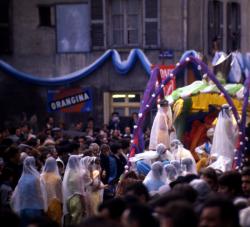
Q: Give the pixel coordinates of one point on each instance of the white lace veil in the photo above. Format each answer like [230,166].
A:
[170,173]
[155,179]
[225,135]
[162,121]
[72,180]
[29,192]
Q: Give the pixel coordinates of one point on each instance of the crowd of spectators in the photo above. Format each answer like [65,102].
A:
[81,177]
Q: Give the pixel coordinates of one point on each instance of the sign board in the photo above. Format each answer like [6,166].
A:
[167,54]
[70,100]
[164,72]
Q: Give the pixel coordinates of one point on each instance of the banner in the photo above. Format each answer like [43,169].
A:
[171,85]
[70,100]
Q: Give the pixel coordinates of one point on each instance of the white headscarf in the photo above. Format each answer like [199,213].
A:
[72,180]
[85,165]
[188,166]
[170,173]
[50,177]
[225,136]
[162,123]
[29,192]
[202,188]
[154,180]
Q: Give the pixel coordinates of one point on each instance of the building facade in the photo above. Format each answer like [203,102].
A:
[49,38]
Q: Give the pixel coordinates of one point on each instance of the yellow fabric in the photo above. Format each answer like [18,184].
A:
[76,210]
[55,211]
[177,108]
[201,101]
[202,163]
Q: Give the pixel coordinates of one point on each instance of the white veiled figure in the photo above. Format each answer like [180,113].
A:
[155,179]
[85,164]
[179,154]
[177,165]
[93,184]
[29,192]
[160,128]
[170,173]
[72,181]
[52,180]
[202,187]
[188,166]
[224,139]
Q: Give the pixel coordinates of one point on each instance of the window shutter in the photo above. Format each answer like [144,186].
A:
[97,24]
[151,23]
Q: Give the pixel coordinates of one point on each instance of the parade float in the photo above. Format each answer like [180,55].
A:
[201,100]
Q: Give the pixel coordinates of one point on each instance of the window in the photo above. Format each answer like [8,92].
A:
[73,28]
[44,16]
[131,23]
[125,21]
[233,26]
[151,20]
[215,26]
[5,29]
[97,24]
[125,103]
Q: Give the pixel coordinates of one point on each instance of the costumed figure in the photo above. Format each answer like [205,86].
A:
[51,178]
[143,161]
[184,156]
[154,180]
[29,197]
[93,185]
[204,150]
[73,192]
[162,126]
[224,140]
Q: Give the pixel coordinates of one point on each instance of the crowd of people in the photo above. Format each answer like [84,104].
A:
[84,177]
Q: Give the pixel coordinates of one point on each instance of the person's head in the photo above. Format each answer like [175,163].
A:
[115,148]
[105,149]
[187,191]
[127,130]
[79,126]
[210,176]
[115,117]
[95,148]
[138,215]
[178,214]
[230,184]
[202,188]
[97,221]
[164,104]
[245,178]
[90,123]
[51,165]
[161,148]
[157,169]
[138,190]
[174,145]
[210,133]
[218,212]
[13,154]
[112,209]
